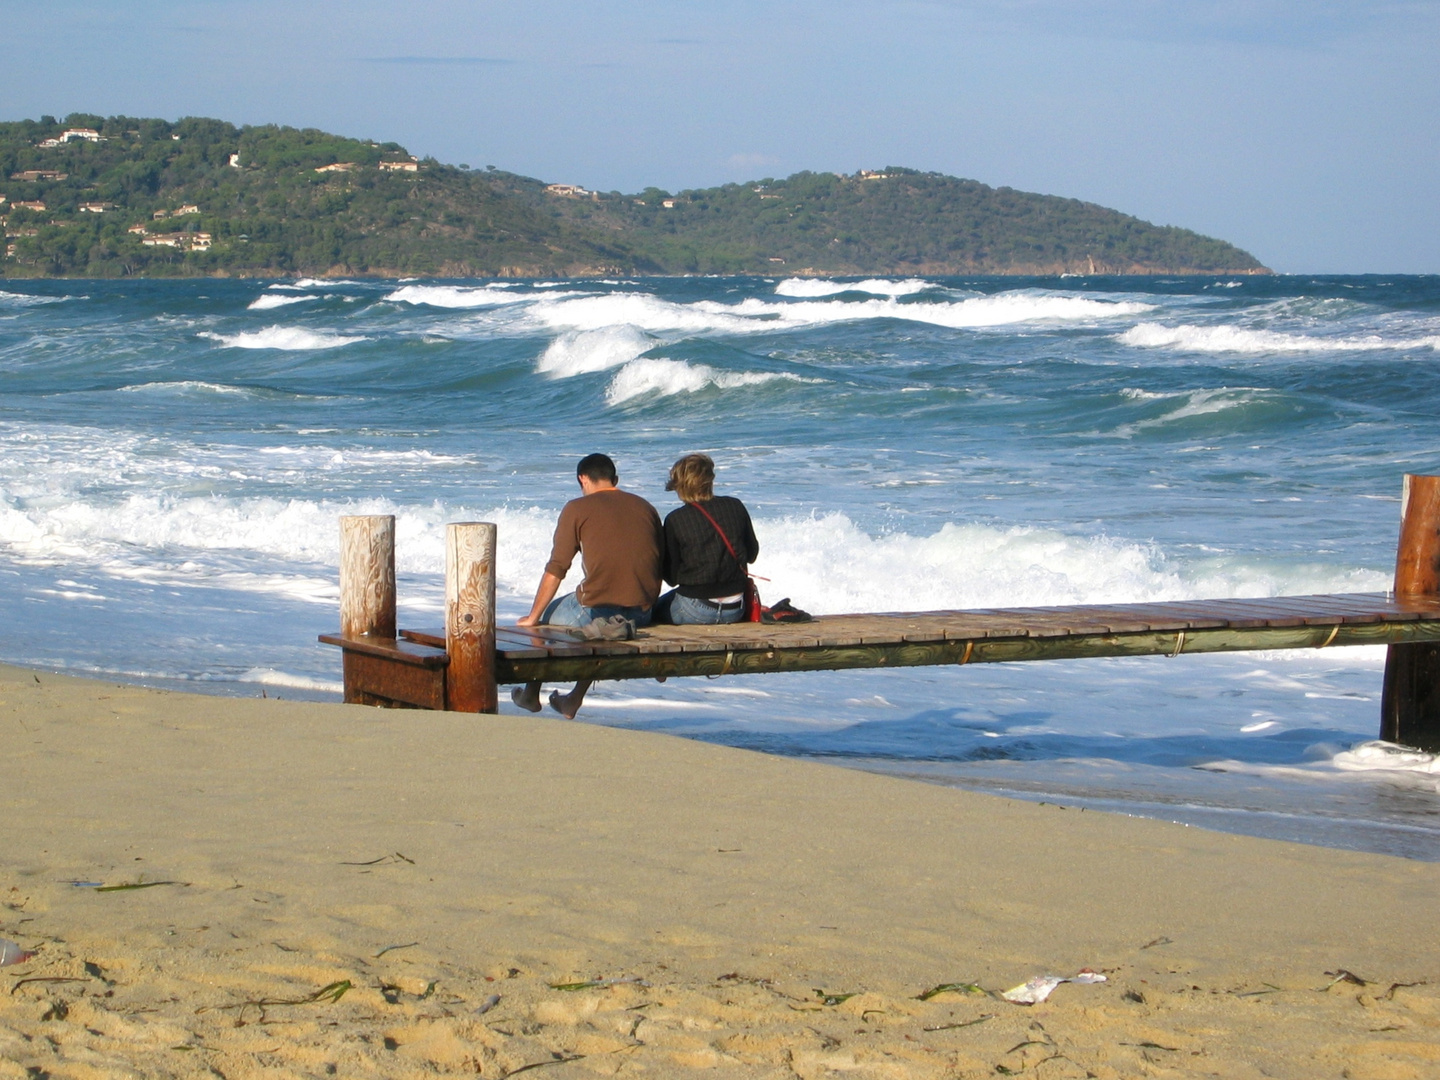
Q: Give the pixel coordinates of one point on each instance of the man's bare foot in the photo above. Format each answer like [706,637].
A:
[567,705]
[527,696]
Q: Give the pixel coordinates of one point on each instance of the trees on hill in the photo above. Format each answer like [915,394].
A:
[108,196]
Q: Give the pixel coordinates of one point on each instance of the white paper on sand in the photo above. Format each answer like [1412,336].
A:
[1039,988]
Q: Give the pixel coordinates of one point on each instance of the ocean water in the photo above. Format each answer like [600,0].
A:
[174,456]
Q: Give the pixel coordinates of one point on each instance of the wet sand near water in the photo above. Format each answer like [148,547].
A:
[335,890]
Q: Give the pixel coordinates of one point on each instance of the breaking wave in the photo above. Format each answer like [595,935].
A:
[813,287]
[457,296]
[652,314]
[288,338]
[664,378]
[274,300]
[30,299]
[187,386]
[1236,339]
[826,561]
[1190,404]
[580,351]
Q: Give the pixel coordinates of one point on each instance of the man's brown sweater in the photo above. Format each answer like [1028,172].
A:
[618,537]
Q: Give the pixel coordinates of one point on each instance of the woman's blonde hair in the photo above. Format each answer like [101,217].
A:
[693,478]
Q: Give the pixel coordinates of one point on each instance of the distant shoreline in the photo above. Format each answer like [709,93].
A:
[123,196]
[399,275]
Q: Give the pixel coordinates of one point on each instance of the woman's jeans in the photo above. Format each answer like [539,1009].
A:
[689,611]
[568,611]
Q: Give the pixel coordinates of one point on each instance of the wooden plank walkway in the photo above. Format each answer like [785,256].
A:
[906,639]
[459,668]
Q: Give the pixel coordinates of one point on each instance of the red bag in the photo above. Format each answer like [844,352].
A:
[750,598]
[750,602]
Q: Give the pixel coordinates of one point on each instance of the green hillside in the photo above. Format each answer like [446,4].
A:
[91,196]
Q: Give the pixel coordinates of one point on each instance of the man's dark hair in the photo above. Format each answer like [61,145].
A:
[599,468]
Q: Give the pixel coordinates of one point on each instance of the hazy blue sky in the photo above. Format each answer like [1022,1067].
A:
[1306,132]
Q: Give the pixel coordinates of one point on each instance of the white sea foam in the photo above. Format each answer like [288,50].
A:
[14,299]
[1379,756]
[1238,339]
[1367,762]
[825,562]
[186,386]
[266,301]
[829,565]
[815,287]
[580,351]
[650,313]
[288,338]
[320,283]
[663,378]
[456,296]
[271,677]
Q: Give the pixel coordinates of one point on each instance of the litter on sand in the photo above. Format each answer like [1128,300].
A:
[594,984]
[10,953]
[1040,987]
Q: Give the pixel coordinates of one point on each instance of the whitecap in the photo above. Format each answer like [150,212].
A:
[457,296]
[650,313]
[581,351]
[30,299]
[267,301]
[817,287]
[664,378]
[288,338]
[1238,339]
[184,386]
[838,567]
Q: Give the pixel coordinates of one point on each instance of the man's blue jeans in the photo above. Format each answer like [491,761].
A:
[568,611]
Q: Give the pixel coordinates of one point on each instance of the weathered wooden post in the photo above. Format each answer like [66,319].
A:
[367,589]
[1410,704]
[367,576]
[470,617]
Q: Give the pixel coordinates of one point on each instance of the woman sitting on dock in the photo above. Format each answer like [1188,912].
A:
[709,543]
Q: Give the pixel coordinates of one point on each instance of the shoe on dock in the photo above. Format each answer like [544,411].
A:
[614,628]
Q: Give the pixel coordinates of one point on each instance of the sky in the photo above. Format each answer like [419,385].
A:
[1305,131]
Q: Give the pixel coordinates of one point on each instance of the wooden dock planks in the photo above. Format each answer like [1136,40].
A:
[988,635]
[457,668]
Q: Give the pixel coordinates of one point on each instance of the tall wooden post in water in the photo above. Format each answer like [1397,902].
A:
[470,617]
[1410,705]
[367,589]
[367,576]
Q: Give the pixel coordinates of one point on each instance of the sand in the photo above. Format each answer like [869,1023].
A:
[337,890]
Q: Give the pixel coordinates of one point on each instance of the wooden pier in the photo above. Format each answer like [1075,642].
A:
[459,666]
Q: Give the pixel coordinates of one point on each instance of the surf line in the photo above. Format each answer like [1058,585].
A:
[460,666]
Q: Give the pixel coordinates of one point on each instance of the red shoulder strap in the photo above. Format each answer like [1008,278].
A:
[725,539]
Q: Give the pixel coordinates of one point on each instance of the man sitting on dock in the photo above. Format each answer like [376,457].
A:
[618,537]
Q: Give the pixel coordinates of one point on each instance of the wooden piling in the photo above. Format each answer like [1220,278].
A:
[367,576]
[1410,703]
[470,617]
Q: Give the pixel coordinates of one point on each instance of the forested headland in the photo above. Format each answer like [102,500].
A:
[92,196]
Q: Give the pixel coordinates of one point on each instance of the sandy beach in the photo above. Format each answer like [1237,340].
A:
[336,890]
